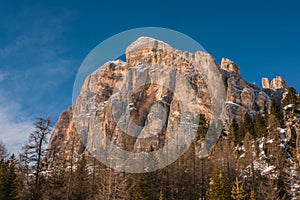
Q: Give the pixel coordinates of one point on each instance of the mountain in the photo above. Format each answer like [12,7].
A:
[146,61]
[129,112]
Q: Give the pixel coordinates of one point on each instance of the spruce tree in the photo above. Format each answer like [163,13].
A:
[282,190]
[260,126]
[246,126]
[81,180]
[57,184]
[275,111]
[252,195]
[274,118]
[273,151]
[140,192]
[219,189]
[237,192]
[8,180]
[213,191]
[290,98]
[234,131]
[161,194]
[3,151]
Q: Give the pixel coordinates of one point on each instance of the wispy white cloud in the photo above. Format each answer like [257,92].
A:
[14,125]
[37,71]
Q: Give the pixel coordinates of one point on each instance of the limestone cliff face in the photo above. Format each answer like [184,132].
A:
[241,97]
[137,104]
[275,88]
[65,142]
[128,97]
[275,84]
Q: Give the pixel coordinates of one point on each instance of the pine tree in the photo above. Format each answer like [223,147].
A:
[8,180]
[140,192]
[246,126]
[237,192]
[161,194]
[56,184]
[282,186]
[275,118]
[234,130]
[252,195]
[260,126]
[219,189]
[267,189]
[273,151]
[147,185]
[81,180]
[3,151]
[275,111]
[290,98]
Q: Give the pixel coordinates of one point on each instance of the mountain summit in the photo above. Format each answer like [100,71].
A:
[149,63]
[174,115]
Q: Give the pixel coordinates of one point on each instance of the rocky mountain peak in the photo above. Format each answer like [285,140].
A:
[147,43]
[146,50]
[276,83]
[230,66]
[99,105]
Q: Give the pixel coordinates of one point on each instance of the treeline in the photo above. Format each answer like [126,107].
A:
[254,159]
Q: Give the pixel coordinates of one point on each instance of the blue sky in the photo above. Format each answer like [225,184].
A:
[42,45]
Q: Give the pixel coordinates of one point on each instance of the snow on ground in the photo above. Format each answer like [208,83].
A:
[269,141]
[261,166]
[288,106]
[268,169]
[232,103]
[131,109]
[261,153]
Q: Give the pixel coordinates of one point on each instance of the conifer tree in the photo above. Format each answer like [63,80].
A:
[56,183]
[234,130]
[260,126]
[81,180]
[219,189]
[237,192]
[3,151]
[291,98]
[8,179]
[246,126]
[275,111]
[252,195]
[140,192]
[161,194]
[275,117]
[147,185]
[273,151]
[282,189]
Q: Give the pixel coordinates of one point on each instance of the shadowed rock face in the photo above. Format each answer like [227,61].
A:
[142,97]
